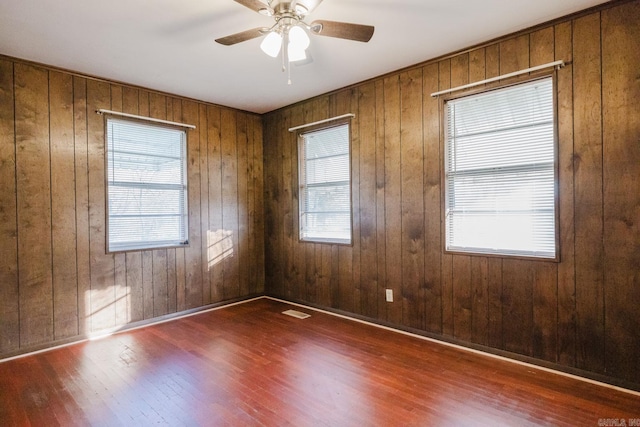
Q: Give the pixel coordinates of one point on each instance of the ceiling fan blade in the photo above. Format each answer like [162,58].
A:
[343,30]
[242,36]
[310,5]
[255,5]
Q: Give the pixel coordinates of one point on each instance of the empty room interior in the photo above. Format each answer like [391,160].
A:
[307,212]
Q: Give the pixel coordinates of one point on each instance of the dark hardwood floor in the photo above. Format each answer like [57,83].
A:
[251,365]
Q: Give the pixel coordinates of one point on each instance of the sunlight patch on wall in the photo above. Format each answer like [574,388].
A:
[106,308]
[219,246]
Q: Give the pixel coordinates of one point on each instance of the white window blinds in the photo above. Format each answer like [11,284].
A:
[500,171]
[325,185]
[146,186]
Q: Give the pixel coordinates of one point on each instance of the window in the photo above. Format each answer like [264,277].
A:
[500,171]
[146,185]
[325,185]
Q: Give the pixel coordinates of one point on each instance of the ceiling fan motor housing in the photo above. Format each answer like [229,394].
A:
[285,9]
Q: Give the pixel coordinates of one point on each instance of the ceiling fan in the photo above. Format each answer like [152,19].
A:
[290,29]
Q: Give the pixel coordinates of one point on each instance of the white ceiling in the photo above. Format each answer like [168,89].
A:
[168,45]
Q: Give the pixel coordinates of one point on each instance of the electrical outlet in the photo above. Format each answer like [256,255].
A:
[389,295]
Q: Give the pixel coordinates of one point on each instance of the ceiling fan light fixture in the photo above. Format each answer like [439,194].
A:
[298,37]
[291,32]
[271,44]
[295,53]
[301,9]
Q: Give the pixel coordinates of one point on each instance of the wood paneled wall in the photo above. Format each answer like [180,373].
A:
[56,282]
[581,312]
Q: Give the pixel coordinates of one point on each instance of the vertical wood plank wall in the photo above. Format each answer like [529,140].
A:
[581,312]
[56,282]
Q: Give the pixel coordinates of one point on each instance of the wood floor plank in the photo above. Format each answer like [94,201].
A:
[259,367]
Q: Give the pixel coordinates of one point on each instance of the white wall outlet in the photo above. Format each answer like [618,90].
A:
[389,295]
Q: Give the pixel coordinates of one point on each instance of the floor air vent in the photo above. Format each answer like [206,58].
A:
[296,314]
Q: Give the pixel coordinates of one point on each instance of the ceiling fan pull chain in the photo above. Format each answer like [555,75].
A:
[285,51]
[284,67]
